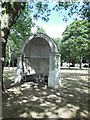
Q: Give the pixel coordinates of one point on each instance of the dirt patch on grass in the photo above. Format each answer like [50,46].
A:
[33,100]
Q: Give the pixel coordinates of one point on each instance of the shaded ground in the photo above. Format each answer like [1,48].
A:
[33,100]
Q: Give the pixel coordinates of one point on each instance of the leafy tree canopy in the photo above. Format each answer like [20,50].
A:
[44,9]
[75,42]
[12,10]
[19,32]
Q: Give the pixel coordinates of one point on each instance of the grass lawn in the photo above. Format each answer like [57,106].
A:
[33,100]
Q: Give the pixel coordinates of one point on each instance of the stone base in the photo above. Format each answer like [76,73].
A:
[54,80]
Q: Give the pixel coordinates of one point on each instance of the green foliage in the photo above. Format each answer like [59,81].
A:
[11,12]
[43,9]
[19,32]
[58,43]
[75,42]
[40,30]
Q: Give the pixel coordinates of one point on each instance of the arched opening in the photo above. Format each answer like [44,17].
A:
[36,56]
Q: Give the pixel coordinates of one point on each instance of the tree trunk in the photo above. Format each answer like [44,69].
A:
[13,14]
[80,67]
[0,64]
[4,41]
[89,62]
[1,68]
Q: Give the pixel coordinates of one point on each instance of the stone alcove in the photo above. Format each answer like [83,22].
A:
[39,55]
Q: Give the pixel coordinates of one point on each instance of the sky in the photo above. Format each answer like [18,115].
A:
[55,26]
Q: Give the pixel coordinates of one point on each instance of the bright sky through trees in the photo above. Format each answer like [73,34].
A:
[55,26]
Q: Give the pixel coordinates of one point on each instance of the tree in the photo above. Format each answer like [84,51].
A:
[58,42]
[75,42]
[43,9]
[10,13]
[19,32]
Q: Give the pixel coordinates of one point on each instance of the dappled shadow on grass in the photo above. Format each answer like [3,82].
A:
[75,88]
[36,100]
[8,76]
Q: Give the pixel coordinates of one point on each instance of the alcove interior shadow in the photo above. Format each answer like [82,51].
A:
[36,59]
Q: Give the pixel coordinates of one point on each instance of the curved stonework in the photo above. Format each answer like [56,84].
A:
[43,36]
[39,55]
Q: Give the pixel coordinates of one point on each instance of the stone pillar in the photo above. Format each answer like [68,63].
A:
[54,72]
[51,62]
[19,71]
